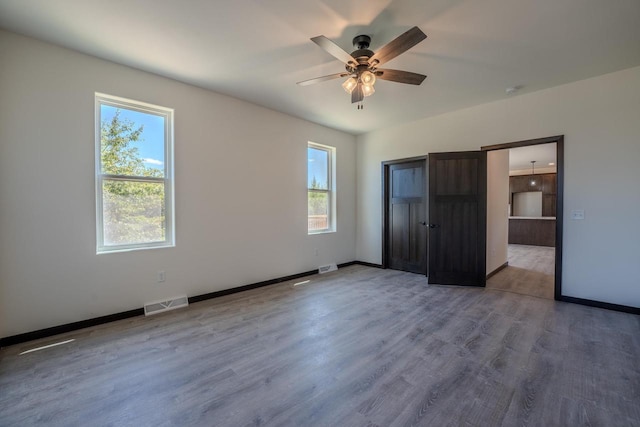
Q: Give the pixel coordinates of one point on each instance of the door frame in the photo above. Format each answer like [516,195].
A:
[559,141]
[385,204]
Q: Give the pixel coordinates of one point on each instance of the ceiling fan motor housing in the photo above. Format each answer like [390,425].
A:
[361,41]
[362,52]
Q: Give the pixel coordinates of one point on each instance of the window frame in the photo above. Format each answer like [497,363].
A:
[330,191]
[168,179]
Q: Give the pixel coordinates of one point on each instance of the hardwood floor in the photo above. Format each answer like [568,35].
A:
[530,271]
[358,347]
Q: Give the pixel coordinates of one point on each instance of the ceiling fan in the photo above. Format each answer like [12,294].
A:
[362,64]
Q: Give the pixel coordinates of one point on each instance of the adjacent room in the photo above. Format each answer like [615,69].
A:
[531,224]
[324,213]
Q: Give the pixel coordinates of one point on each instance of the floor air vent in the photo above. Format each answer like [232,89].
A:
[162,306]
[327,268]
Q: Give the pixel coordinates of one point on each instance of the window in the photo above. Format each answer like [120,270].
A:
[320,189]
[134,175]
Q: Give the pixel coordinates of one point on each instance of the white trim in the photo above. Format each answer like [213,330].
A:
[168,179]
[331,191]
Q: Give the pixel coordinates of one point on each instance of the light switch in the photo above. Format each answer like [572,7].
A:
[577,214]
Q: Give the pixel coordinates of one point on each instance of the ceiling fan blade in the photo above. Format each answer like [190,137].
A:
[335,50]
[357,95]
[322,79]
[400,44]
[400,76]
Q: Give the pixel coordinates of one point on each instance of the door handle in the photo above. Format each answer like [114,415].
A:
[429,225]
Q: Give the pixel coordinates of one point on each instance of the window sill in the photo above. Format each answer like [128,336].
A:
[103,251]
[313,233]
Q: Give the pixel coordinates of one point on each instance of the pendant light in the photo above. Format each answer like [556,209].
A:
[532,182]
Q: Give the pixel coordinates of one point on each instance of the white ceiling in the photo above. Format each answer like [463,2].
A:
[257,50]
[520,158]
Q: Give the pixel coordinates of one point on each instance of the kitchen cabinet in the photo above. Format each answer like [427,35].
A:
[546,183]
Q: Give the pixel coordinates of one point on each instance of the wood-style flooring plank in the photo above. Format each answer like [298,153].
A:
[530,271]
[358,347]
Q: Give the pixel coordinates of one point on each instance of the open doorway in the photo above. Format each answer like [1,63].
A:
[524,217]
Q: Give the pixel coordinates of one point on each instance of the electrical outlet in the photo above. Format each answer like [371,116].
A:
[161,276]
[316,251]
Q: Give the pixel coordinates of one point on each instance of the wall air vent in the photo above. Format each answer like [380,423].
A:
[162,306]
[327,268]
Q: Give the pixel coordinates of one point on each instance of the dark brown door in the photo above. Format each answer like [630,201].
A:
[457,218]
[406,213]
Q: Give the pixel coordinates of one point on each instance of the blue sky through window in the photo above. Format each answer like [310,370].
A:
[151,144]
[317,166]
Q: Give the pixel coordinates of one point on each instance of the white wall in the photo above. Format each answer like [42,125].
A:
[600,118]
[240,192]
[497,208]
[527,204]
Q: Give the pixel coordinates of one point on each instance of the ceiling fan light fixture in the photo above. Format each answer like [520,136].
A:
[350,84]
[368,90]
[368,78]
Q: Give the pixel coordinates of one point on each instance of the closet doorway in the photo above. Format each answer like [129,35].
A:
[404,216]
